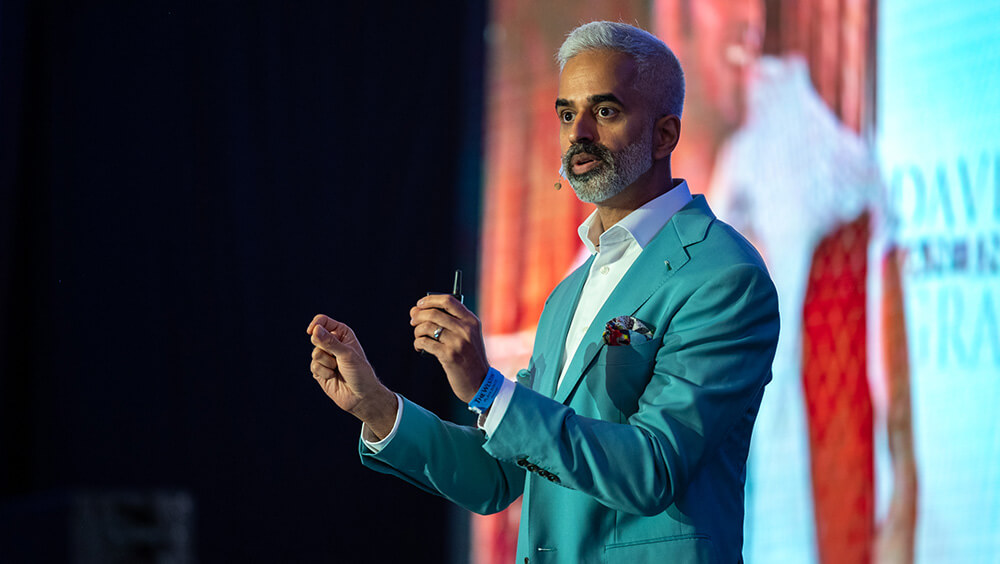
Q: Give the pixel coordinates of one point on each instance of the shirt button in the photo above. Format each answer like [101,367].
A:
[605,270]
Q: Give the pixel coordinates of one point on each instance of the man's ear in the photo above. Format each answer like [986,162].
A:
[666,133]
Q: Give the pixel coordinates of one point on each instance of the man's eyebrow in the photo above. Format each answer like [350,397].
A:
[595,99]
[609,97]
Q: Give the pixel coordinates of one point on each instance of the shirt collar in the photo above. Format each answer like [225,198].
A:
[642,224]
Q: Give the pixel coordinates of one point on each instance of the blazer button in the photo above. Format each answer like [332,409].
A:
[532,467]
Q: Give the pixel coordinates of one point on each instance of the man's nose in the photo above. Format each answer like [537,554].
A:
[583,129]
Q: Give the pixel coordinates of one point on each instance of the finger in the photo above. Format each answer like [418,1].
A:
[326,359]
[317,320]
[428,330]
[321,372]
[418,314]
[328,341]
[430,346]
[341,330]
[438,318]
[445,302]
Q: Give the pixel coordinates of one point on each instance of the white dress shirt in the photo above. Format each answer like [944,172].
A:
[615,249]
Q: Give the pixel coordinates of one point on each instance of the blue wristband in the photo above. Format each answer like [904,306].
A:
[487,392]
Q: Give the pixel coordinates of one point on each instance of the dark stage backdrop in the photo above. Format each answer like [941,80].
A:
[184,185]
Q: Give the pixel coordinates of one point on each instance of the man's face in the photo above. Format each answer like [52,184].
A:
[605,128]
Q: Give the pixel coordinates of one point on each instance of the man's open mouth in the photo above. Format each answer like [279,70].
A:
[583,163]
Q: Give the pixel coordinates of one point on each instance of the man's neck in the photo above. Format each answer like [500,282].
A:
[636,195]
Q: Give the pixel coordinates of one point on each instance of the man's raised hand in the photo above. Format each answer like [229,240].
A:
[340,367]
[445,328]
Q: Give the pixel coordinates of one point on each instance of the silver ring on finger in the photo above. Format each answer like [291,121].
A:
[437,333]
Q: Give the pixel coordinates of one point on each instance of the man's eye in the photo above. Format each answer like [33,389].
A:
[566,117]
[606,112]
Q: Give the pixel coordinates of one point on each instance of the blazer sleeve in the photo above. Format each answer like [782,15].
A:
[448,460]
[709,371]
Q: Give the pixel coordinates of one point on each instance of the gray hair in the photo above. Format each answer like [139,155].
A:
[660,76]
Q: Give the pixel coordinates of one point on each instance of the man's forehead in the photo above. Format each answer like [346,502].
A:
[596,73]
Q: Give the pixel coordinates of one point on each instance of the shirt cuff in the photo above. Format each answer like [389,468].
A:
[491,419]
[368,438]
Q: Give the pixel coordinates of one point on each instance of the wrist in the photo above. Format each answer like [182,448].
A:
[472,387]
[376,409]
[482,400]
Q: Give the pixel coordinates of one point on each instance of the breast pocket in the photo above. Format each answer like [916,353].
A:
[620,374]
[628,354]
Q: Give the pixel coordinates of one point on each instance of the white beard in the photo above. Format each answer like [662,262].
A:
[614,175]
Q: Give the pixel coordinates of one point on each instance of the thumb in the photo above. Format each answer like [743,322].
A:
[327,341]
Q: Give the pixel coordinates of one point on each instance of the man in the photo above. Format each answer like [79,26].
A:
[628,432]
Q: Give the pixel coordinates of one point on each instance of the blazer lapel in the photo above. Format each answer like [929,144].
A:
[663,257]
[554,325]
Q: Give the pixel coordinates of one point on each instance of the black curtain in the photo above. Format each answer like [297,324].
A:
[184,185]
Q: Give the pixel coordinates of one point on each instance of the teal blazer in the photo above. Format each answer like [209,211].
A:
[640,455]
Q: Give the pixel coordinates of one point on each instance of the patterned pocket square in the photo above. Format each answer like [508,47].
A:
[623,330]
